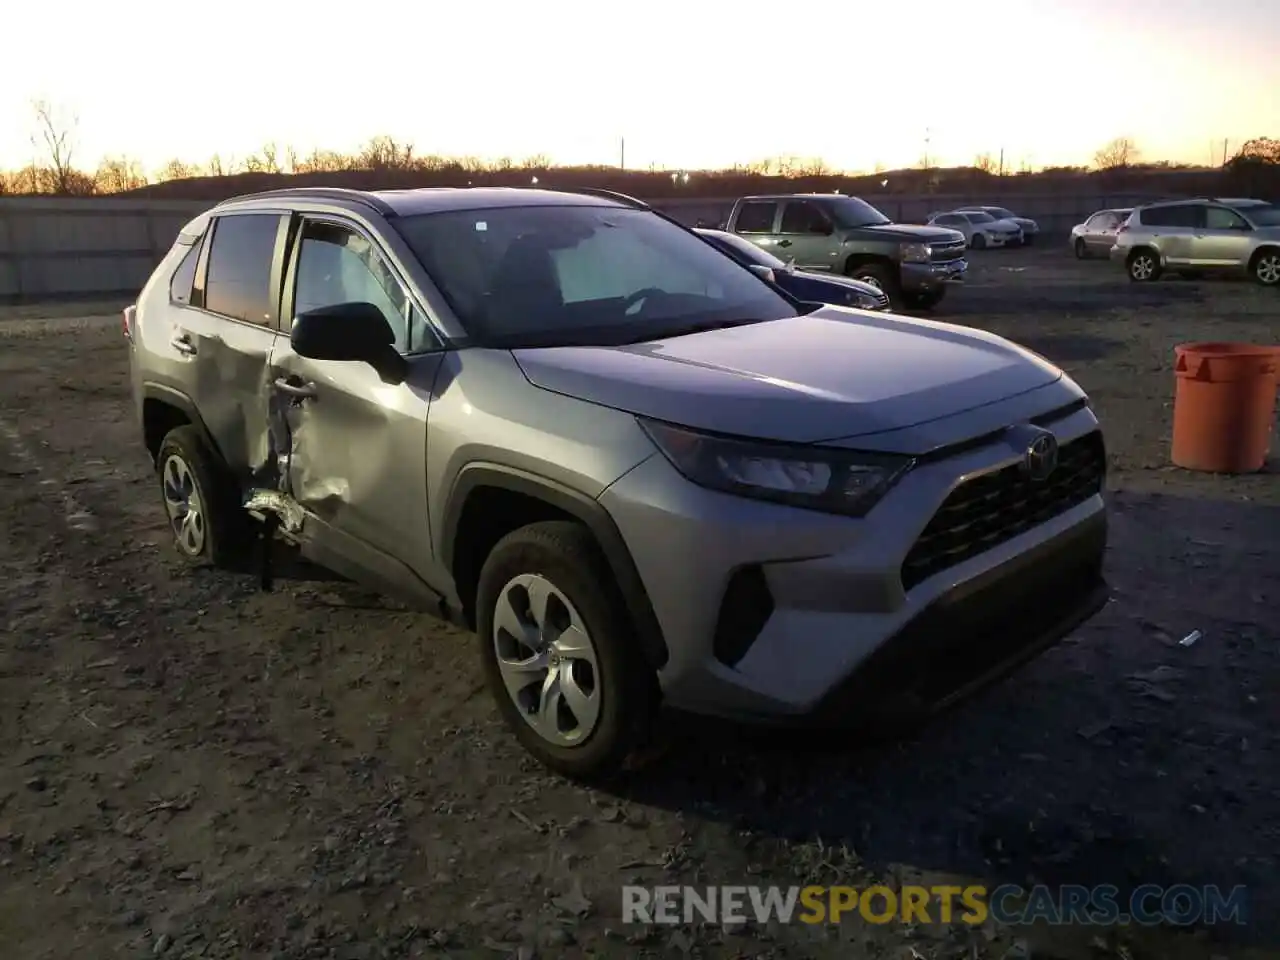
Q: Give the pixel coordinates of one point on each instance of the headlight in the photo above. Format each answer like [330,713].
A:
[916,253]
[813,478]
[863,301]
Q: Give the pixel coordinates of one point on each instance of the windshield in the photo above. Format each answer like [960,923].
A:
[1001,213]
[1268,216]
[980,218]
[852,212]
[582,275]
[745,250]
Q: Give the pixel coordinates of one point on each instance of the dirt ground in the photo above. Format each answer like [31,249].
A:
[191,768]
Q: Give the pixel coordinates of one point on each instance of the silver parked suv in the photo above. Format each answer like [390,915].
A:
[637,470]
[1202,236]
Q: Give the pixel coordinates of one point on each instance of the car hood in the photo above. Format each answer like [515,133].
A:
[911,232]
[829,375]
[1025,222]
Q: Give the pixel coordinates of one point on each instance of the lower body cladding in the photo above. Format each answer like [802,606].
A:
[965,570]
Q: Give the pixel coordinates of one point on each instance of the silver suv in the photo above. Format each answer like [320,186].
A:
[638,471]
[1201,236]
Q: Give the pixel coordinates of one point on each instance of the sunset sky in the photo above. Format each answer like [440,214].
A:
[690,84]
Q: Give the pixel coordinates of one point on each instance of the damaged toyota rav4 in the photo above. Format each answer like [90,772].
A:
[641,474]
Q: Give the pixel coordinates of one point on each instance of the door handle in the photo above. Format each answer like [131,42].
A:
[183,344]
[299,391]
[784,243]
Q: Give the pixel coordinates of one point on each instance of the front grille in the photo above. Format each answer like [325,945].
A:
[947,250]
[882,300]
[988,510]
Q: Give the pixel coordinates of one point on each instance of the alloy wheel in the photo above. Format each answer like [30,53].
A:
[547,660]
[1268,269]
[184,505]
[1142,267]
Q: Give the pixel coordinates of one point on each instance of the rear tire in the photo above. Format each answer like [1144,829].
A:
[1082,249]
[603,695]
[979,241]
[1143,266]
[1265,268]
[206,519]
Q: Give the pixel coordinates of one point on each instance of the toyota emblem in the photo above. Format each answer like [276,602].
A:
[1041,457]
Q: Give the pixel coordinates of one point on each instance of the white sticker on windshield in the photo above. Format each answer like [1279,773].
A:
[482,225]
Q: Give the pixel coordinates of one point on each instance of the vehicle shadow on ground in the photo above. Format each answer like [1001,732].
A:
[1121,756]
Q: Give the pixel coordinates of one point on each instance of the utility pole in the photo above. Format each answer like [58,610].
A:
[622,153]
[926,148]
[1002,161]
[1224,152]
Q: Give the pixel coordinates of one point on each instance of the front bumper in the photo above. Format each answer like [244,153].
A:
[837,632]
[922,277]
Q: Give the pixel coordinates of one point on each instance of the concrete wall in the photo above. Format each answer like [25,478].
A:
[57,249]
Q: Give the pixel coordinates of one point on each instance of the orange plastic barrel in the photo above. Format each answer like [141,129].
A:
[1223,406]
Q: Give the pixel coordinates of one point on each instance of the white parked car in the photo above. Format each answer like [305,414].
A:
[981,230]
[1028,226]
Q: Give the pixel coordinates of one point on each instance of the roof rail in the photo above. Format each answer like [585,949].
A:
[602,193]
[320,193]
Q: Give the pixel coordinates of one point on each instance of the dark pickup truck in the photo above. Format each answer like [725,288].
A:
[912,264]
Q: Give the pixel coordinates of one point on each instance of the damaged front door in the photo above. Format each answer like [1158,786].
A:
[351,443]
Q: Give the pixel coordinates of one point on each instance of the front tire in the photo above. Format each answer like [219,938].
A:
[208,524]
[881,276]
[1143,266]
[1082,250]
[979,241]
[1266,267]
[560,654]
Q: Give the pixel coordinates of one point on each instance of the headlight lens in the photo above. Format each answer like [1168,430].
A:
[916,253]
[862,301]
[813,478]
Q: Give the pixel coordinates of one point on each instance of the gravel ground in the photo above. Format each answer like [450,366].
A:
[190,768]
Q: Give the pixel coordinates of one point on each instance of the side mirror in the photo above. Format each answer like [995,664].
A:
[761,271]
[348,332]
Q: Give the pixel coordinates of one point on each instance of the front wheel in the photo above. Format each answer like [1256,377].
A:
[979,241]
[1143,266]
[881,276]
[1082,251]
[559,652]
[1266,268]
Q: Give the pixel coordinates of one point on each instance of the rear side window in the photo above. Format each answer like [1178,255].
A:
[1177,215]
[238,277]
[180,284]
[801,217]
[756,217]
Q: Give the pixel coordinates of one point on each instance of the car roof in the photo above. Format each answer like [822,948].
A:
[422,200]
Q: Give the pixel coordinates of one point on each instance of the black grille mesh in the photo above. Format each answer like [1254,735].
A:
[988,510]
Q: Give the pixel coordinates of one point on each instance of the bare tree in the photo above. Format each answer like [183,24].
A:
[539,161]
[55,137]
[1118,153]
[177,170]
[118,174]
[1259,150]
[265,160]
[323,161]
[812,167]
[985,163]
[385,153]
